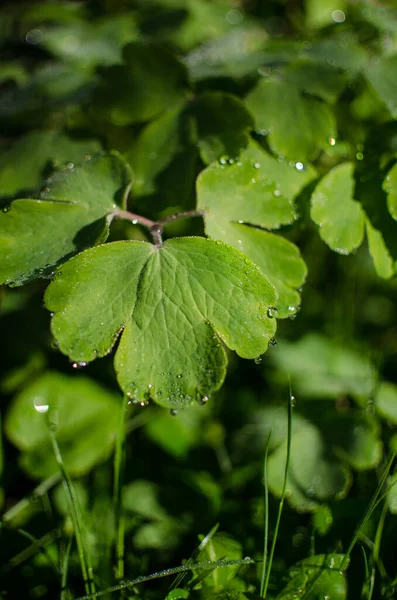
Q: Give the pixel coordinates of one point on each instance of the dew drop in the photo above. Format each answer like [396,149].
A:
[223,160]
[179,376]
[272,312]
[173,412]
[300,166]
[70,166]
[276,193]
[40,405]
[293,401]
[247,558]
[34,37]
[256,165]
[338,16]
[144,403]
[79,365]
[332,141]
[258,360]
[203,401]
[6,209]
[273,342]
[134,221]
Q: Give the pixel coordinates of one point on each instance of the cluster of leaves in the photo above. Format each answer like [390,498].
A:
[274,125]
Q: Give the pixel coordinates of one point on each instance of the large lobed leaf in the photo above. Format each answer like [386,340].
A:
[174,304]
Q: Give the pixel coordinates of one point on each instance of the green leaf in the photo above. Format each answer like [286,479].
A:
[298,126]
[223,124]
[322,368]
[323,81]
[391,497]
[85,416]
[315,577]
[205,21]
[314,475]
[342,51]
[35,235]
[257,190]
[386,401]
[390,187]
[150,81]
[237,53]
[88,44]
[175,303]
[319,13]
[22,166]
[177,594]
[177,436]
[334,210]
[154,150]
[220,546]
[323,519]
[382,74]
[383,262]
[141,497]
[354,439]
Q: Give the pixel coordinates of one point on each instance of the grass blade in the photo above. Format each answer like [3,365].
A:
[266,528]
[178,580]
[206,565]
[64,569]
[71,497]
[368,513]
[119,467]
[281,504]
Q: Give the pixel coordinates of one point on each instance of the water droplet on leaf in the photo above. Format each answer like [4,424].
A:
[202,401]
[40,405]
[273,342]
[272,312]
[258,360]
[173,412]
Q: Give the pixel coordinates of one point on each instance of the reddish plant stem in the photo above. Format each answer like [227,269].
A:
[155,227]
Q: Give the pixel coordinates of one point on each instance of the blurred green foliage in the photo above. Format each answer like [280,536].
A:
[186,89]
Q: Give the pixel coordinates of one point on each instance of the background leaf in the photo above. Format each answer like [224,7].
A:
[85,417]
[334,210]
[297,126]
[35,235]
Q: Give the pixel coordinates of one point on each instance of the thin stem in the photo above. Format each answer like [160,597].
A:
[135,219]
[86,568]
[281,504]
[207,565]
[119,465]
[65,568]
[178,580]
[367,515]
[38,492]
[36,545]
[127,190]
[266,527]
[378,539]
[182,215]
